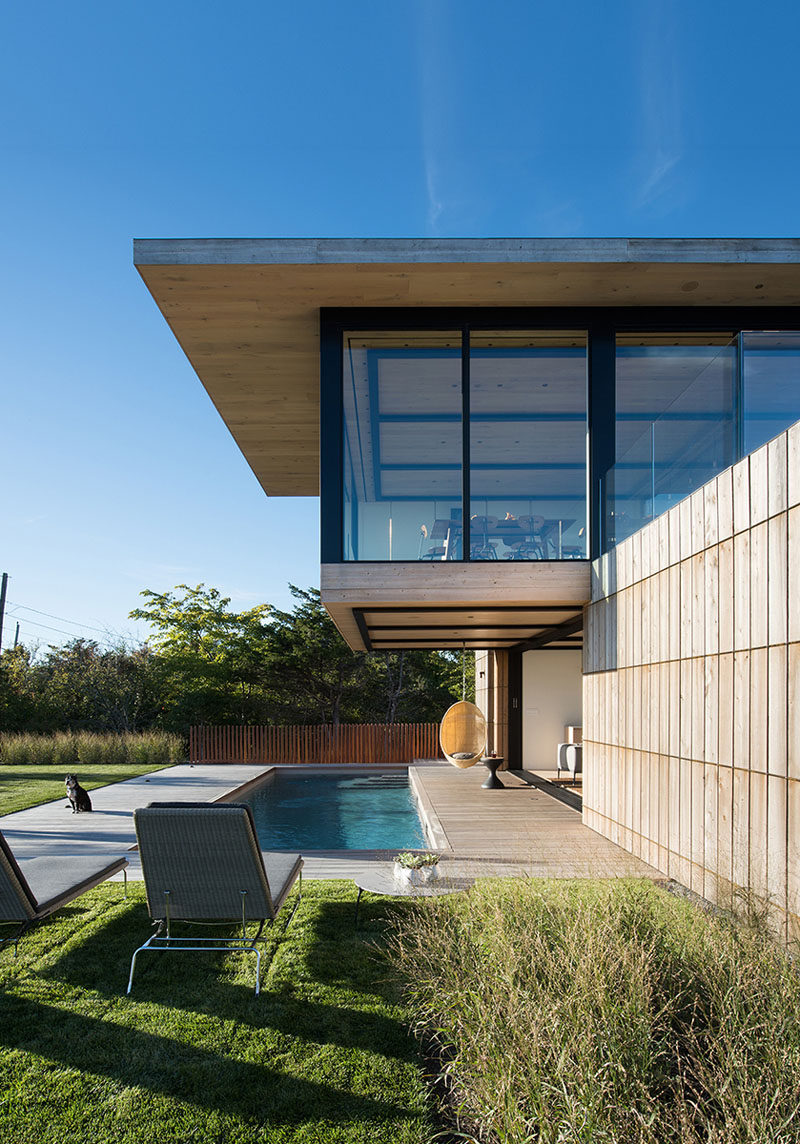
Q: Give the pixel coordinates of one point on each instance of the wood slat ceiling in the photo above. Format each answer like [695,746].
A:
[467,635]
[250,328]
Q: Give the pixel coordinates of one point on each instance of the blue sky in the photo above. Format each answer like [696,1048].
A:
[415,117]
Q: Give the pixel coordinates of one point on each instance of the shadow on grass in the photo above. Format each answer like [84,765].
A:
[173,1068]
[320,980]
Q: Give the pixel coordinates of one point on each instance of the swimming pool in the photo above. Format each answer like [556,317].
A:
[335,810]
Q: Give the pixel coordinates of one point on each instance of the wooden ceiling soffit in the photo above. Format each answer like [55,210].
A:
[250,328]
[453,635]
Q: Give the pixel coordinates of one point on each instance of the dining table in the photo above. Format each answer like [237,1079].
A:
[511,532]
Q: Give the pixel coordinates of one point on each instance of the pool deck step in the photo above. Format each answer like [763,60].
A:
[518,831]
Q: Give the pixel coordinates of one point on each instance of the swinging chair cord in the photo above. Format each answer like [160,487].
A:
[463,672]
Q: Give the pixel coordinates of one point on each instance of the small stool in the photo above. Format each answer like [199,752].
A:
[492,762]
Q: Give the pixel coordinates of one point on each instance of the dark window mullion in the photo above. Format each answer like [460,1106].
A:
[601,424]
[465,444]
[737,403]
[332,458]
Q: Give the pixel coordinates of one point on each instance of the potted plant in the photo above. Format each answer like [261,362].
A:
[416,869]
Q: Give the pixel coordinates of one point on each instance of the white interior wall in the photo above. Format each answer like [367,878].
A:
[551,698]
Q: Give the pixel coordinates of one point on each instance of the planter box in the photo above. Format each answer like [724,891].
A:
[418,877]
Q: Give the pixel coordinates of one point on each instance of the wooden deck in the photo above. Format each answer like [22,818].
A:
[522,829]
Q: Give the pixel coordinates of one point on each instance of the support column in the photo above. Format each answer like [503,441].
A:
[491,696]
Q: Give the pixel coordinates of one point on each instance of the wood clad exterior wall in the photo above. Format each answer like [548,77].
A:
[691,724]
[346,743]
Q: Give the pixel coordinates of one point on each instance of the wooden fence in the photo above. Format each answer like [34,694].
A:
[346,743]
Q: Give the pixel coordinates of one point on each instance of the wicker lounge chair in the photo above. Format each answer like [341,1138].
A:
[202,863]
[34,888]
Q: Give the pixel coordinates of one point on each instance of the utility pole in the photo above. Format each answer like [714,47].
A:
[3,586]
[16,635]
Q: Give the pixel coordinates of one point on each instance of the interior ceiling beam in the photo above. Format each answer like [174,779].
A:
[363,630]
[568,628]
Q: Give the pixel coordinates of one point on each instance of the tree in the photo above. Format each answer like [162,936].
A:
[213,660]
[17,701]
[264,665]
[78,686]
[207,663]
[314,676]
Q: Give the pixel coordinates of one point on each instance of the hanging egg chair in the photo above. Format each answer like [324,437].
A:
[462,734]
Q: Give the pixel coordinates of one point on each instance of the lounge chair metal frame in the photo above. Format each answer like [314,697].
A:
[164,941]
[27,881]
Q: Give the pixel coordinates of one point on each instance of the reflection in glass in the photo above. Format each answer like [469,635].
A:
[402,446]
[527,446]
[675,423]
[770,385]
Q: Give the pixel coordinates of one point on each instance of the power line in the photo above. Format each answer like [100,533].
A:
[64,620]
[50,627]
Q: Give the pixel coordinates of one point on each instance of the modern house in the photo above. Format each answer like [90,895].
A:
[579,458]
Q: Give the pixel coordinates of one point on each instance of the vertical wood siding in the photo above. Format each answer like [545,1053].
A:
[691,726]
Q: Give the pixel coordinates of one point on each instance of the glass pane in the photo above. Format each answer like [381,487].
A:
[675,423]
[527,446]
[402,446]
[771,385]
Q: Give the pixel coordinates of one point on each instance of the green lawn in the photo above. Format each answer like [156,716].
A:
[22,786]
[194,1057]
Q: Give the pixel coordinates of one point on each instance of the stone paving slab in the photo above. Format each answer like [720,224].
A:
[53,830]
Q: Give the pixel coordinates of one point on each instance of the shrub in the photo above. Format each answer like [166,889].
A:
[115,752]
[91,749]
[67,749]
[609,1012]
[137,748]
[15,749]
[177,749]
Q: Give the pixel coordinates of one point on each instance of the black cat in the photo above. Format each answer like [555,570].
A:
[78,797]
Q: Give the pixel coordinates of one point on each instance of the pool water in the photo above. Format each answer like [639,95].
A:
[336,811]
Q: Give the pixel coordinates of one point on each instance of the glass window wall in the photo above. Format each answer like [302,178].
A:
[402,446]
[676,424]
[770,385]
[527,436]
[687,405]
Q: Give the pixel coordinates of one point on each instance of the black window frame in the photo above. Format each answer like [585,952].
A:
[602,325]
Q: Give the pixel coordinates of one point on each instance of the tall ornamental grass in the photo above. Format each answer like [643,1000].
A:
[69,748]
[603,1013]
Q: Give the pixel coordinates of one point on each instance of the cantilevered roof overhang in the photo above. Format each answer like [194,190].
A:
[247,314]
[246,311]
